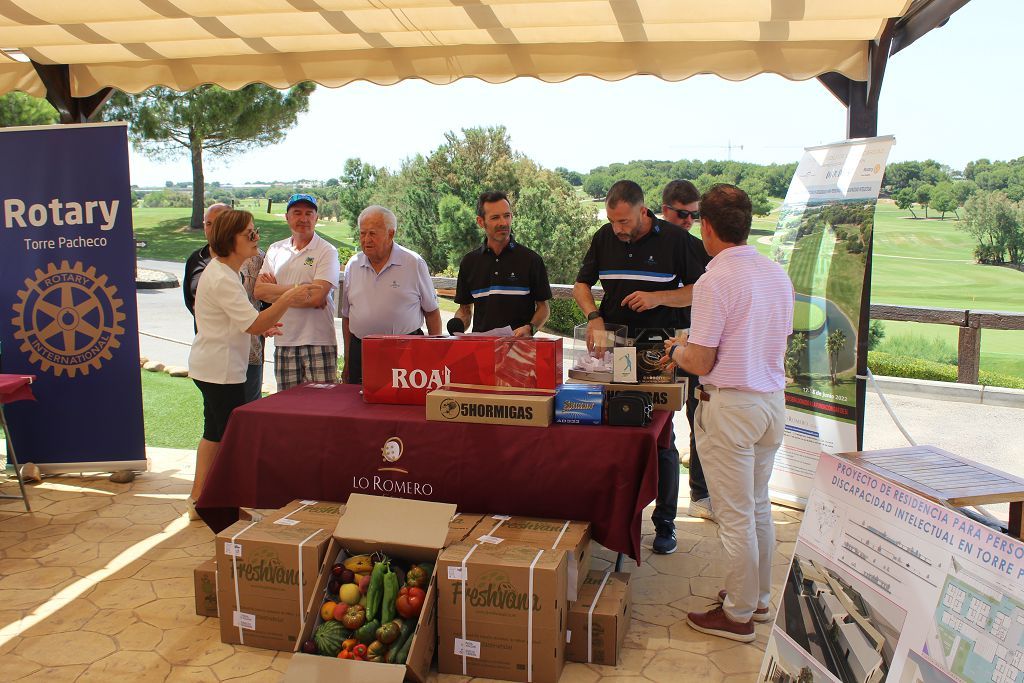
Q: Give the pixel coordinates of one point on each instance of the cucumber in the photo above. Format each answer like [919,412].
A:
[408,626]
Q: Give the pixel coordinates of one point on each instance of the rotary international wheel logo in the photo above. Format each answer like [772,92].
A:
[68,319]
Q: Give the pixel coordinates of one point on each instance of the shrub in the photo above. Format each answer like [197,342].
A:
[344,254]
[876,333]
[915,368]
[565,316]
[918,346]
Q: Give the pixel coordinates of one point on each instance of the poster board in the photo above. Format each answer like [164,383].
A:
[886,585]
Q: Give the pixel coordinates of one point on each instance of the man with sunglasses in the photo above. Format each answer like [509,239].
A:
[647,268]
[680,202]
[194,267]
[307,348]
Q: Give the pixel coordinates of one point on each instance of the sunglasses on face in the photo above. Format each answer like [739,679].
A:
[253,234]
[683,213]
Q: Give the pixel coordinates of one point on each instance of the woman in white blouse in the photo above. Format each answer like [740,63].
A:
[225,319]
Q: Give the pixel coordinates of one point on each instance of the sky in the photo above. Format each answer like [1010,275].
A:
[952,96]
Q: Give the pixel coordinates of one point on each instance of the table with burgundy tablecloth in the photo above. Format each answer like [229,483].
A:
[325,443]
[14,388]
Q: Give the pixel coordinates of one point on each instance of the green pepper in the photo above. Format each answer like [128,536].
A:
[375,592]
[387,610]
[367,633]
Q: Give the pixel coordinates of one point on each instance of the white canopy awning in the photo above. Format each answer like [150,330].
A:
[135,44]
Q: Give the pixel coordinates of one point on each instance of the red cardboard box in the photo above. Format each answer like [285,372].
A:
[404,368]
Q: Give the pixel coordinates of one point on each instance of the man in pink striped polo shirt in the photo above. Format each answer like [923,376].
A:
[742,316]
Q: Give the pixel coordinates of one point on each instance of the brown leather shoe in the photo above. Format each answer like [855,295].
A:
[717,623]
[761,615]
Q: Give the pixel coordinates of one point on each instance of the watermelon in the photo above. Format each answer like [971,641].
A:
[328,637]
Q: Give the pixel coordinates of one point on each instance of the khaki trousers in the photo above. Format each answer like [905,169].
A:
[738,433]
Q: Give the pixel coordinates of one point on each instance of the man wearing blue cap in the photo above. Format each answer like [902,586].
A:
[307,348]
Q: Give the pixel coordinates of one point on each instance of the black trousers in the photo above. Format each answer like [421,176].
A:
[354,358]
[667,502]
[698,485]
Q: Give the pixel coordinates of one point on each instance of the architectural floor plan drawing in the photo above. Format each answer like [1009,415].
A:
[978,630]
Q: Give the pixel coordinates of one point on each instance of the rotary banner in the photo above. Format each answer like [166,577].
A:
[67,277]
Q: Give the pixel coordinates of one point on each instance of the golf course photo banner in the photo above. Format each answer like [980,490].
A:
[67,297]
[823,239]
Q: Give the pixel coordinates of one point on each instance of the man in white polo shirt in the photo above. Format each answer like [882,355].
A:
[742,316]
[388,290]
[307,348]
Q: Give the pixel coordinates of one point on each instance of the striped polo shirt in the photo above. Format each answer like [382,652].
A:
[667,257]
[743,306]
[503,288]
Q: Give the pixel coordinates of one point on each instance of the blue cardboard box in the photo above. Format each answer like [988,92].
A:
[579,404]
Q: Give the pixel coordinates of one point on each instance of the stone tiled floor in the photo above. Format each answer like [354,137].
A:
[96,585]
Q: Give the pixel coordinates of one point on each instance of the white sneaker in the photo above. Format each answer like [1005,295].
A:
[191,506]
[701,509]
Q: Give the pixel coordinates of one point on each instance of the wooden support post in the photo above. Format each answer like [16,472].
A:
[1015,520]
[969,354]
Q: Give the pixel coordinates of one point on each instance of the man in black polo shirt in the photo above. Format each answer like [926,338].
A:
[502,282]
[680,204]
[647,268]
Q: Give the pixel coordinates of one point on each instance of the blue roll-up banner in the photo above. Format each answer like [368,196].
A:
[67,297]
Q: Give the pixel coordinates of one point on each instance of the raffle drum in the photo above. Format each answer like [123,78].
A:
[404,368]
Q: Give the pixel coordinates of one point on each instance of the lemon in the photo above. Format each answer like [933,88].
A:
[350,594]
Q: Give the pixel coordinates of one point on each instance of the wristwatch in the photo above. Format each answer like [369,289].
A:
[593,315]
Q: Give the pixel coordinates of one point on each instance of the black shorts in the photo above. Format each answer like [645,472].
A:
[218,402]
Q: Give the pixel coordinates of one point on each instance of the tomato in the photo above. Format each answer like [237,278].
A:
[345,654]
[410,602]
[416,577]
[351,617]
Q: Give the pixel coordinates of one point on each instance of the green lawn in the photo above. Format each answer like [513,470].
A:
[931,263]
[172,409]
[169,238]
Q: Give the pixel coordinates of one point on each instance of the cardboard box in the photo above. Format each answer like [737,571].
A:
[460,526]
[598,621]
[319,513]
[491,405]
[650,348]
[579,404]
[665,396]
[205,579]
[502,608]
[548,534]
[403,368]
[412,530]
[266,574]
[254,514]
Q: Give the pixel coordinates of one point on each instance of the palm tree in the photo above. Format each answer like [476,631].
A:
[834,344]
[795,354]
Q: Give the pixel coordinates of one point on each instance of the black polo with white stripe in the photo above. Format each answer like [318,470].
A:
[503,288]
[667,257]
